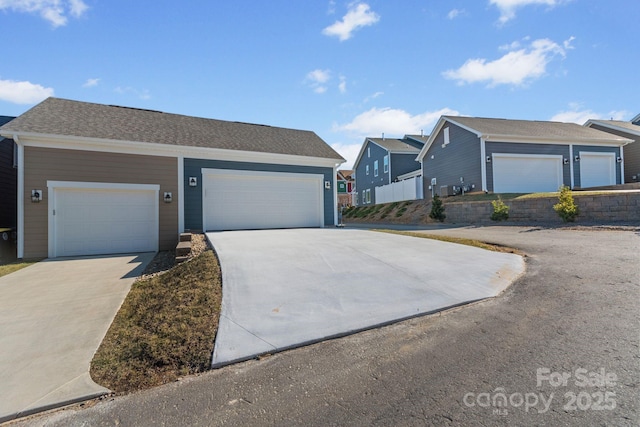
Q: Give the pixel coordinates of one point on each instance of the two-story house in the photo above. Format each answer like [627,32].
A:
[631,154]
[381,161]
[346,187]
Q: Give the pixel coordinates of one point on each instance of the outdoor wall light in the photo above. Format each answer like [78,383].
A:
[168,197]
[327,185]
[488,159]
[565,161]
[36,196]
[619,160]
[193,181]
[576,158]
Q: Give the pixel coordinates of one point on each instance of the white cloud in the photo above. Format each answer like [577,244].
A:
[359,15]
[342,86]
[54,11]
[91,83]
[508,7]
[141,94]
[392,122]
[374,96]
[578,114]
[23,92]
[317,80]
[517,67]
[454,13]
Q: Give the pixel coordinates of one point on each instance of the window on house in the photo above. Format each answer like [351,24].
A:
[368,151]
[386,163]
[446,136]
[368,195]
[375,168]
[366,168]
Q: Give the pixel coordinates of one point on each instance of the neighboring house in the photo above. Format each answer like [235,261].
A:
[636,120]
[381,161]
[8,180]
[518,156]
[99,179]
[346,187]
[631,154]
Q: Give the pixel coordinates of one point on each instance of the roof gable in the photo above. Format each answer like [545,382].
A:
[61,117]
[618,125]
[391,145]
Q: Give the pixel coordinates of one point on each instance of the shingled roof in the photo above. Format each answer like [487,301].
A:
[533,129]
[621,125]
[395,145]
[62,117]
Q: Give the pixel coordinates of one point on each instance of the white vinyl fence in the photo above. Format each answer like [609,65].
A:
[409,189]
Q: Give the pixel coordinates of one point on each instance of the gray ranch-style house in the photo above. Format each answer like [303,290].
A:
[101,179]
[629,130]
[518,156]
[381,161]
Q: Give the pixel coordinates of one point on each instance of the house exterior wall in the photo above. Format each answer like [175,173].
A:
[522,148]
[193,195]
[459,158]
[370,182]
[403,163]
[631,153]
[8,184]
[594,149]
[46,164]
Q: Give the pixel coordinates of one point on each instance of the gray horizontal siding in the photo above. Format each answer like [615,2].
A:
[403,163]
[631,153]
[8,184]
[460,158]
[576,165]
[522,148]
[193,195]
[370,182]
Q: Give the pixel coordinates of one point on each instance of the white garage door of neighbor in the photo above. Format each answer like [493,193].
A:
[514,173]
[99,221]
[244,200]
[597,169]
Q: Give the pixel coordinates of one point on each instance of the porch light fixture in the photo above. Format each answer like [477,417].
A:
[619,160]
[168,197]
[576,158]
[36,196]
[327,185]
[565,161]
[488,159]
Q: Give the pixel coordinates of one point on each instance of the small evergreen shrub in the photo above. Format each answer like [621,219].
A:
[500,210]
[437,209]
[566,206]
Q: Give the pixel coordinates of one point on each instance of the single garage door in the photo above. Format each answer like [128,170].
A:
[597,169]
[513,173]
[97,221]
[237,200]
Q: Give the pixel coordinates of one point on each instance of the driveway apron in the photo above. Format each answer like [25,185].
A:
[286,288]
[53,317]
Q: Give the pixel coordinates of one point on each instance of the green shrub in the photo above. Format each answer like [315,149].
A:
[437,209]
[500,210]
[566,206]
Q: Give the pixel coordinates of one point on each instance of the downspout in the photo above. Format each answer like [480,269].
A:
[621,165]
[181,191]
[20,197]
[571,165]
[483,164]
[335,195]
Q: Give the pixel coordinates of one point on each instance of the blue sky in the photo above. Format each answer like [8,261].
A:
[343,69]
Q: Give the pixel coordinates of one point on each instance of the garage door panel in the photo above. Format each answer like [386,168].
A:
[597,169]
[103,221]
[526,174]
[253,200]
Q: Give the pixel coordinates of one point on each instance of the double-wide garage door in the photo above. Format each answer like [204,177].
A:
[236,200]
[514,173]
[103,220]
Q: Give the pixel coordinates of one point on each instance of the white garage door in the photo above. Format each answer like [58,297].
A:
[97,221]
[514,173]
[597,169]
[236,200]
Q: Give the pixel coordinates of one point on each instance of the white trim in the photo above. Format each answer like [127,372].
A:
[571,161]
[608,154]
[408,175]
[483,165]
[335,197]
[52,186]
[180,194]
[621,166]
[167,150]
[528,156]
[612,126]
[20,212]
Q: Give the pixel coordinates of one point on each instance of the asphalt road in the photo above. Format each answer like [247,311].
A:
[560,347]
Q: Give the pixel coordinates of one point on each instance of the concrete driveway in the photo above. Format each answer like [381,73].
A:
[53,316]
[286,288]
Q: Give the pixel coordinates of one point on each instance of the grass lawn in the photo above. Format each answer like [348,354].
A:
[459,240]
[14,266]
[165,328]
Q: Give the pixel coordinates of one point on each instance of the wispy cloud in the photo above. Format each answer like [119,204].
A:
[359,15]
[517,67]
[23,92]
[373,96]
[141,94]
[454,13]
[508,8]
[54,11]
[392,122]
[342,86]
[317,80]
[578,114]
[91,83]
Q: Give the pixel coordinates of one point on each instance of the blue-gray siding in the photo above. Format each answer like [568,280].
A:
[522,148]
[193,195]
[370,182]
[576,166]
[459,158]
[631,153]
[403,163]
